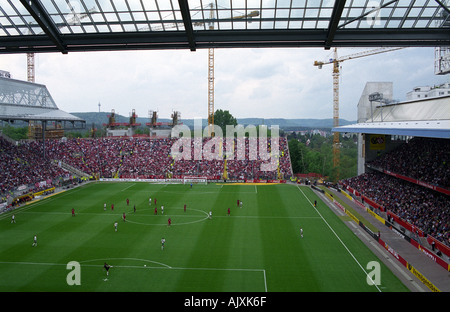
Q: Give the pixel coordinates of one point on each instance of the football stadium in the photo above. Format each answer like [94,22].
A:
[185,208]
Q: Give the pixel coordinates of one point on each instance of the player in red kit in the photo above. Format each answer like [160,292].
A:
[124,217]
[112,206]
[128,202]
[229,211]
[156,210]
[169,222]
[73,212]
[184,207]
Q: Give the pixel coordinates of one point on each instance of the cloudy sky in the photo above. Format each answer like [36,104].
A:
[263,83]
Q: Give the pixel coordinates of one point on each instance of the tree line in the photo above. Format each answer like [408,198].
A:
[313,153]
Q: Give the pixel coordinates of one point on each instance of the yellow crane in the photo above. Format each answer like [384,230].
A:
[211,66]
[335,73]
[212,19]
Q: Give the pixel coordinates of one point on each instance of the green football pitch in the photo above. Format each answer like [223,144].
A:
[257,248]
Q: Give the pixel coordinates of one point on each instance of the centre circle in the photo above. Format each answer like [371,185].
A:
[201,217]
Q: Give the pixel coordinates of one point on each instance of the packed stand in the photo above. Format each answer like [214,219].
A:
[425,159]
[23,164]
[427,209]
[144,158]
[129,158]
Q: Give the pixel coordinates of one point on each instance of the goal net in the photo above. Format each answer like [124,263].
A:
[195,180]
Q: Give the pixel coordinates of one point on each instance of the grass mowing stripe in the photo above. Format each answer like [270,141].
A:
[337,236]
[257,248]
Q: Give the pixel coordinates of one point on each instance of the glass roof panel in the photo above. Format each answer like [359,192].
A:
[16,21]
[72,17]
[120,5]
[105,6]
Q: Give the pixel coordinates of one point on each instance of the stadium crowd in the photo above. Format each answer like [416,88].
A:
[144,158]
[427,209]
[421,159]
[124,157]
[424,159]
[22,165]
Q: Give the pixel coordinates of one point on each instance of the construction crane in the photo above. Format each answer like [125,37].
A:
[335,73]
[30,56]
[211,65]
[212,19]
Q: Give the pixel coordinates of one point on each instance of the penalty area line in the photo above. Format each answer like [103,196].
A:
[161,266]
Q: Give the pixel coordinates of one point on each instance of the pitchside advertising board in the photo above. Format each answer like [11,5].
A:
[394,253]
[182,180]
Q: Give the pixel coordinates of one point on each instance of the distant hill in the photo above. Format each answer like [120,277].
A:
[286,124]
[293,123]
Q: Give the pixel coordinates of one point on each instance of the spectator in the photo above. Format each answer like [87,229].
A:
[427,209]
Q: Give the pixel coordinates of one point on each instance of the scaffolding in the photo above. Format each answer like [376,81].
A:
[35,132]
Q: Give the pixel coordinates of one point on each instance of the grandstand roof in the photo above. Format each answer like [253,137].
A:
[22,100]
[424,118]
[93,25]
[428,129]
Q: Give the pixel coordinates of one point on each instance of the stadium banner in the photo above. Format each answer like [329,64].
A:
[130,180]
[412,180]
[377,141]
[423,249]
[347,195]
[348,213]
[393,252]
[422,278]
[405,224]
[372,203]
[433,257]
[44,191]
[361,205]
[418,182]
[416,273]
[439,245]
[329,196]
[438,260]
[400,233]
[369,231]
[338,204]
[411,228]
[373,214]
[352,191]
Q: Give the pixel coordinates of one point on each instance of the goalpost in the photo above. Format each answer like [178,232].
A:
[195,180]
